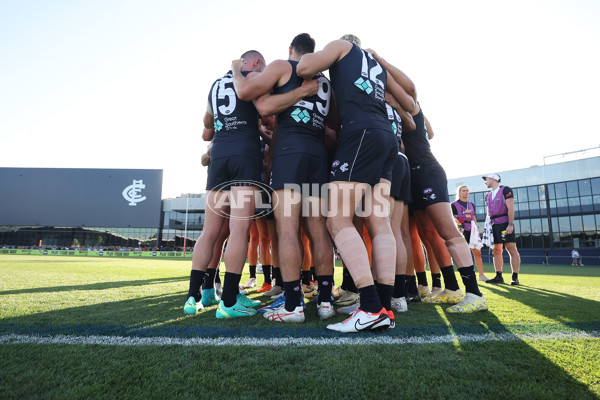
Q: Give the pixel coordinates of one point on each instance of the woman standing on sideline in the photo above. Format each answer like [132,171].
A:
[464,213]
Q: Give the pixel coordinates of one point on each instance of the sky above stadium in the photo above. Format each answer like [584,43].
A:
[124,83]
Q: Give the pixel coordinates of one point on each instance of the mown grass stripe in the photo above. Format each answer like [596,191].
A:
[276,342]
[285,331]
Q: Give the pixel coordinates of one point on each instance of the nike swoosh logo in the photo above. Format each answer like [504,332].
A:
[360,326]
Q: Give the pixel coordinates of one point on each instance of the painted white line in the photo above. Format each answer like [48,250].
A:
[276,342]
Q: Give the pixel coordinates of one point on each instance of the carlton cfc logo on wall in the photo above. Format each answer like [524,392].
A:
[132,192]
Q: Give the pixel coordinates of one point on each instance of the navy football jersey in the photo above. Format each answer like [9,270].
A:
[236,121]
[395,120]
[301,128]
[416,144]
[359,84]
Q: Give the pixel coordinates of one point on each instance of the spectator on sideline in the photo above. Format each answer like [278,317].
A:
[500,204]
[464,213]
[575,258]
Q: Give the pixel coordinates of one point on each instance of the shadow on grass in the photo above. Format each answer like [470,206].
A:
[508,368]
[510,365]
[158,309]
[558,306]
[93,286]
[463,369]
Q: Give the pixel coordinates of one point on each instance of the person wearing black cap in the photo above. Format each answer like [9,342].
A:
[500,204]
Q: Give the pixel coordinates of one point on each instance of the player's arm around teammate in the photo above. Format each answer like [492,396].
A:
[361,172]
[257,87]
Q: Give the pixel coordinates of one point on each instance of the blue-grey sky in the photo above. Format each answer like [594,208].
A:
[124,84]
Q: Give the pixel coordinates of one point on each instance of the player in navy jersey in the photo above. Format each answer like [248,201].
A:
[361,171]
[405,277]
[400,191]
[233,174]
[430,195]
[299,171]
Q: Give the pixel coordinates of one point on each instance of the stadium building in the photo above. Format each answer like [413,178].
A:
[64,208]
[557,207]
[58,208]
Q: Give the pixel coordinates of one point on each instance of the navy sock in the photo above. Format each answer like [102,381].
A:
[499,274]
[470,280]
[196,279]
[369,299]
[399,286]
[325,287]
[209,278]
[293,294]
[412,285]
[515,275]
[277,277]
[305,275]
[385,295]
[313,273]
[422,278]
[267,273]
[450,281]
[350,286]
[231,288]
[252,271]
[436,280]
[345,275]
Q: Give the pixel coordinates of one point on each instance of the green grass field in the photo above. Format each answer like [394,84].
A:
[75,327]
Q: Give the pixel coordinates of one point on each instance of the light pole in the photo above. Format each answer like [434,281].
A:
[187,206]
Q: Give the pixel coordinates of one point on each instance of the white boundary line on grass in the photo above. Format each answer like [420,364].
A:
[288,341]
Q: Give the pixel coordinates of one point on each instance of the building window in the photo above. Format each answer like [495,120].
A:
[520,194]
[534,208]
[562,206]
[587,204]
[572,189]
[564,224]
[585,187]
[596,202]
[543,209]
[533,192]
[560,190]
[551,195]
[595,183]
[536,225]
[574,205]
[577,228]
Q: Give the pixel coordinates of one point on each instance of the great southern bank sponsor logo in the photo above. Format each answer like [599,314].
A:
[132,192]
